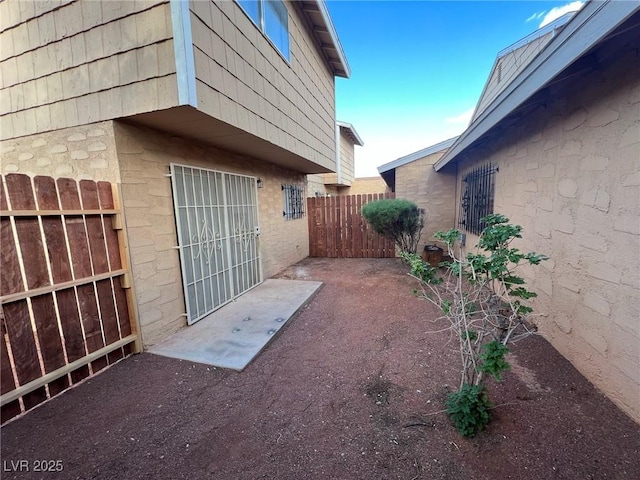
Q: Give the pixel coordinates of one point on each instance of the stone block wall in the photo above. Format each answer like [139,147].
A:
[145,156]
[570,175]
[434,192]
[84,152]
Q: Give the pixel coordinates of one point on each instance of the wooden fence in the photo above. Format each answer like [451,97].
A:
[337,228]
[67,309]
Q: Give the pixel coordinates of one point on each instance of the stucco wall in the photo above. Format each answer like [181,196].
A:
[434,192]
[243,80]
[570,175]
[368,185]
[144,157]
[77,62]
[84,152]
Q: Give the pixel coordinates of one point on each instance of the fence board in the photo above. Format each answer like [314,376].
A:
[63,297]
[49,339]
[23,347]
[337,229]
[90,201]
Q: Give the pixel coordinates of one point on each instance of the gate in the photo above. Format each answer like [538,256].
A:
[67,307]
[217,223]
[338,229]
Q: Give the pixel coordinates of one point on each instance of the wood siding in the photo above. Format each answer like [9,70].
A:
[71,63]
[243,80]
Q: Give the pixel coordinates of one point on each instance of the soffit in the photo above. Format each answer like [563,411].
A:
[190,123]
[324,32]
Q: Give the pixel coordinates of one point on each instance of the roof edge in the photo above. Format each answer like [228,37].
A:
[587,28]
[326,18]
[398,162]
[352,131]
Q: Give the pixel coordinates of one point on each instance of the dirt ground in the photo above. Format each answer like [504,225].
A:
[349,389]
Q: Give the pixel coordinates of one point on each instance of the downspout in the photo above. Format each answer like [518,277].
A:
[338,159]
[183,50]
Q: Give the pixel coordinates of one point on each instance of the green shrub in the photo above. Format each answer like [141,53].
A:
[485,301]
[401,221]
[468,409]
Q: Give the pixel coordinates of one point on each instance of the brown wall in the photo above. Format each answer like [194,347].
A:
[72,63]
[145,156]
[570,176]
[243,80]
[434,192]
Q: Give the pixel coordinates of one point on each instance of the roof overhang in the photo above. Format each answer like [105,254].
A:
[351,133]
[325,34]
[590,26]
[398,162]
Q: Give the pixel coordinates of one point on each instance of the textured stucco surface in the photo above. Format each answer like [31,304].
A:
[85,152]
[434,192]
[570,175]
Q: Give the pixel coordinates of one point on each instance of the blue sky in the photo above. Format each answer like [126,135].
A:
[418,67]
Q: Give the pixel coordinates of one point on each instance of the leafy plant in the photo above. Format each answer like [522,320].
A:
[468,409]
[401,221]
[485,301]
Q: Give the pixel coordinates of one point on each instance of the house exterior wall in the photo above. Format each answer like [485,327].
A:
[243,80]
[83,152]
[508,67]
[315,185]
[368,185]
[570,175]
[73,63]
[434,192]
[145,156]
[346,166]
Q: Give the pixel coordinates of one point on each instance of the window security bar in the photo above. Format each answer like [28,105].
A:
[477,198]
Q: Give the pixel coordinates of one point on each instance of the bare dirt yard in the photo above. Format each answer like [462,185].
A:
[349,389]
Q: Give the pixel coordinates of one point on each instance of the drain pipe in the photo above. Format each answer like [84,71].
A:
[338,159]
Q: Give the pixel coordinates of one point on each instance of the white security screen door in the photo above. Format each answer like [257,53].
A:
[217,223]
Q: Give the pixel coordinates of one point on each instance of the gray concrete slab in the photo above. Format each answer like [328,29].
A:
[233,335]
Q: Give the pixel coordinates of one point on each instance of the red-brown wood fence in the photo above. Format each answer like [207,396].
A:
[66,305]
[337,228]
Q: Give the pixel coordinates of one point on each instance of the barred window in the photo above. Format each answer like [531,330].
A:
[477,198]
[293,201]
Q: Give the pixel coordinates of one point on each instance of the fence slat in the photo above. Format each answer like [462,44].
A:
[53,231]
[97,249]
[23,348]
[11,409]
[44,316]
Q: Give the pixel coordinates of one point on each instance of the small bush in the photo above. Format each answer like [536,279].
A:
[468,409]
[401,221]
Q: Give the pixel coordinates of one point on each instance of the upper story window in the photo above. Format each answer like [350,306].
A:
[478,187]
[272,18]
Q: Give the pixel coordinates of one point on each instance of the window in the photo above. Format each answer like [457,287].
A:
[477,198]
[293,201]
[272,18]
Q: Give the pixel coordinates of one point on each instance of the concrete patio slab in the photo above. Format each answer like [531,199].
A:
[235,334]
